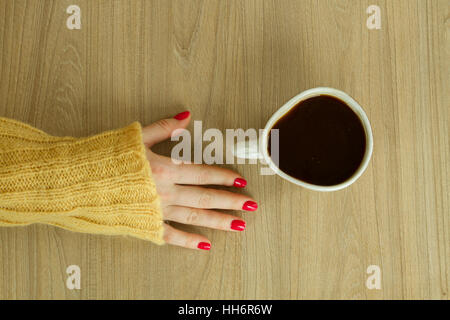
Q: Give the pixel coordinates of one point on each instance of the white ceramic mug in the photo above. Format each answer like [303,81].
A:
[250,150]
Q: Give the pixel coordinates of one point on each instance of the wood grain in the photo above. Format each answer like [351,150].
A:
[233,63]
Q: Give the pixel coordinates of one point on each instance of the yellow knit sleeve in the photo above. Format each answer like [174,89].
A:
[100,184]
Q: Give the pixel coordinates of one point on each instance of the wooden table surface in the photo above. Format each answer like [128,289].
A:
[233,63]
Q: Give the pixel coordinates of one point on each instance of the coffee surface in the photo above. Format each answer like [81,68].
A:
[321,141]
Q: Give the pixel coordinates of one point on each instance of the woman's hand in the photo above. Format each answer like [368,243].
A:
[182,198]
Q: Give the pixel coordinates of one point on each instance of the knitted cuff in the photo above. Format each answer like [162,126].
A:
[100,184]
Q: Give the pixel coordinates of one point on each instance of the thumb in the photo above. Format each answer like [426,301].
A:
[163,129]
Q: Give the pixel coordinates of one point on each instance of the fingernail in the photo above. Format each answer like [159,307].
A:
[240,183]
[182,115]
[204,246]
[238,225]
[250,206]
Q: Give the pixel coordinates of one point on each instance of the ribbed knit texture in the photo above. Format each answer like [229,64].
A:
[100,184]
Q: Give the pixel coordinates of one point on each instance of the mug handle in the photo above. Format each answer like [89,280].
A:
[248,149]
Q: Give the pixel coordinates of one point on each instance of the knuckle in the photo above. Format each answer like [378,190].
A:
[203,177]
[163,172]
[164,193]
[224,223]
[205,199]
[158,170]
[164,124]
[192,216]
[219,221]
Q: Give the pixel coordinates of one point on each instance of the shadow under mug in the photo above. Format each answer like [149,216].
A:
[258,149]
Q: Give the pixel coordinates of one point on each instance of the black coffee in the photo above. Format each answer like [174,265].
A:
[321,141]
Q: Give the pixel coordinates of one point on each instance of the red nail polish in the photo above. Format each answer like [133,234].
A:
[250,206]
[240,183]
[238,225]
[182,115]
[204,246]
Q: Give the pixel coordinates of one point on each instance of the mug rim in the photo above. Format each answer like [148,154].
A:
[352,104]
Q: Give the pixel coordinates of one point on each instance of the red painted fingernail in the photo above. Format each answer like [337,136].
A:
[204,246]
[240,183]
[238,225]
[182,115]
[250,206]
